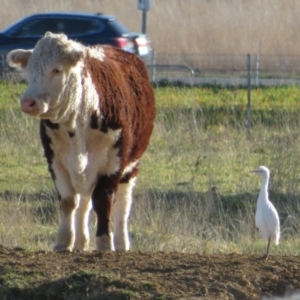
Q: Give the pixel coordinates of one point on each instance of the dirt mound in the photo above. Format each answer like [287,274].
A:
[141,275]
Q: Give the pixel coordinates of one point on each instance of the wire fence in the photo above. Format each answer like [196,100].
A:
[226,69]
[209,69]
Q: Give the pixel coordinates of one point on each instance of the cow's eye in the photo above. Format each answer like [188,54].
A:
[56,70]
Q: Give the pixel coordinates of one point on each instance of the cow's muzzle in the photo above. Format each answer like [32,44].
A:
[34,106]
[29,106]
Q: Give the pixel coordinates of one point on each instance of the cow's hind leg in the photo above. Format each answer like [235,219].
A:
[102,198]
[66,232]
[121,211]
[82,236]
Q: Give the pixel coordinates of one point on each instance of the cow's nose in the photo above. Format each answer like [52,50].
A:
[28,105]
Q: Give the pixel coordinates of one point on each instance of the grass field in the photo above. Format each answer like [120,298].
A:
[194,193]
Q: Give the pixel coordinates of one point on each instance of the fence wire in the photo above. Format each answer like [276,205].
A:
[209,69]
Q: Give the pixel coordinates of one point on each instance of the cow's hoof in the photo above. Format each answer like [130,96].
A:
[60,248]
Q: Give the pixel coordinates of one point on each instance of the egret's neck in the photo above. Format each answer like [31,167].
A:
[263,196]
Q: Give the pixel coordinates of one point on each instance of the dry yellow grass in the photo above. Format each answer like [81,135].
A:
[267,27]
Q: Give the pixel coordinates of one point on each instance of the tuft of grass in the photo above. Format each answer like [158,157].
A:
[128,295]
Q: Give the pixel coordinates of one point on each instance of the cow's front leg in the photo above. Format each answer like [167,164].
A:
[66,232]
[102,199]
[82,236]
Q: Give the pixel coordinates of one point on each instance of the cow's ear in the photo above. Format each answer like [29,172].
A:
[75,55]
[18,58]
[73,51]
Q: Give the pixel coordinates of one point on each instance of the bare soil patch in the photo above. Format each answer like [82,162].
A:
[141,275]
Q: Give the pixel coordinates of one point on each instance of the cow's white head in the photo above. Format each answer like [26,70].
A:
[48,67]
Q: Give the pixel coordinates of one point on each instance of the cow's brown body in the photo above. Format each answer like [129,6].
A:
[97,112]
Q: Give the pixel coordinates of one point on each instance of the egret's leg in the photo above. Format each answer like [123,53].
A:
[267,255]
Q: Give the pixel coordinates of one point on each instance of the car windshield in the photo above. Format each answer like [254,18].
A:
[10,28]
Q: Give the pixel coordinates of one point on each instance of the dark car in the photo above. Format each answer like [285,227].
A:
[89,29]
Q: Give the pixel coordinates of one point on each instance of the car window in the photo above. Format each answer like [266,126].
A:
[38,27]
[79,26]
[118,27]
[114,29]
[35,27]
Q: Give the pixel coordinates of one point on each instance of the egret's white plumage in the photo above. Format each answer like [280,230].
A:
[266,216]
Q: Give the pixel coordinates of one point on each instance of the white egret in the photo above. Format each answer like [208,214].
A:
[266,216]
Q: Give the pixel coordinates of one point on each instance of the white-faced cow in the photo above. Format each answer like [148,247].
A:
[96,108]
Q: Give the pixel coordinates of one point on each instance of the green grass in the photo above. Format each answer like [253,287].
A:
[199,142]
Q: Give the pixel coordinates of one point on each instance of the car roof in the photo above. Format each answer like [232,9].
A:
[62,14]
[72,14]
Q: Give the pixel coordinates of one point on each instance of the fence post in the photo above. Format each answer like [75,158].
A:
[153,68]
[248,94]
[144,21]
[2,64]
[192,77]
[256,69]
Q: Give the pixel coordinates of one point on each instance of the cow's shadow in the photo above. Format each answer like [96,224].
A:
[79,285]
